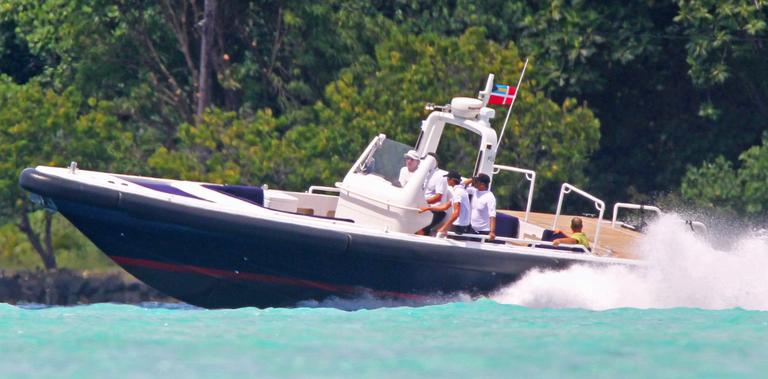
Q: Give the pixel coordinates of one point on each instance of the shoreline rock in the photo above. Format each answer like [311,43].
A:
[72,287]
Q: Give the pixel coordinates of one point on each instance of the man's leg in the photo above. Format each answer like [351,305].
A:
[437,218]
[459,229]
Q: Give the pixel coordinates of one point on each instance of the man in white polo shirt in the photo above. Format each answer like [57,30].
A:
[458,221]
[483,218]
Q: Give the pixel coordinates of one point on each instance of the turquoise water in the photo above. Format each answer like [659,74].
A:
[694,311]
[477,339]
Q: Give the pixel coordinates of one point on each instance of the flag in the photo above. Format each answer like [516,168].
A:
[502,94]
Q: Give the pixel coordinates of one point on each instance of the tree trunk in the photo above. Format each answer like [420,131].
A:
[209,23]
[44,251]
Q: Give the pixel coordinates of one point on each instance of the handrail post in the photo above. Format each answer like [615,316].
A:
[599,205]
[530,175]
[563,190]
[531,178]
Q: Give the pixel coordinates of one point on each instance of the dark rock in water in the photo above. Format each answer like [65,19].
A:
[69,287]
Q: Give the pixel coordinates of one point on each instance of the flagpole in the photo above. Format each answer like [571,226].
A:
[517,91]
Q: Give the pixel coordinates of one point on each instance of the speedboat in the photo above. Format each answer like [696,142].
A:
[227,246]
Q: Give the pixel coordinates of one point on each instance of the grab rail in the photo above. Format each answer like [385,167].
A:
[618,206]
[388,204]
[529,174]
[483,238]
[312,189]
[696,226]
[599,205]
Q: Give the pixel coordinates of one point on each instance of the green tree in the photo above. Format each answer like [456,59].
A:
[40,126]
[713,184]
[387,95]
[16,60]
[144,53]
[671,81]
[719,185]
[720,34]
[225,148]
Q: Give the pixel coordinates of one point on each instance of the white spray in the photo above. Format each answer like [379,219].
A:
[683,271]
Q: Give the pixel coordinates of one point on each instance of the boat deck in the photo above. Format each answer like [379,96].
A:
[622,241]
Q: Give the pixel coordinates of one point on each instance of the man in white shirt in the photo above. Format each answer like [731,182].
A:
[411,164]
[483,217]
[435,192]
[458,222]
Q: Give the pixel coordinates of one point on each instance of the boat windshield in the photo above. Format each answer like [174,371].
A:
[385,160]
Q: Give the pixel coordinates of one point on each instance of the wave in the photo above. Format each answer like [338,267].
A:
[684,270]
[370,301]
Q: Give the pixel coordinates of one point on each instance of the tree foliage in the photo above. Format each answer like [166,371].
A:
[39,126]
[739,190]
[225,148]
[384,95]
[387,95]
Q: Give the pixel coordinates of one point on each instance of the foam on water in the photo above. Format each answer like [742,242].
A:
[684,270]
[369,301]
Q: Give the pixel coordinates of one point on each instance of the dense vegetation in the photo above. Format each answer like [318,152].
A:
[631,101]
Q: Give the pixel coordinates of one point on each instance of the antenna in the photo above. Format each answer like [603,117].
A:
[517,92]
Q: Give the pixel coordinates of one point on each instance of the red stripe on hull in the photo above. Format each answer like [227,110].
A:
[225,274]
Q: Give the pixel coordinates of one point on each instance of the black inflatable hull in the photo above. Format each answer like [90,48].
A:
[218,260]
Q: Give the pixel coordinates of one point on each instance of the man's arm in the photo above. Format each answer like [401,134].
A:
[434,198]
[566,240]
[451,219]
[492,218]
[436,208]
[492,233]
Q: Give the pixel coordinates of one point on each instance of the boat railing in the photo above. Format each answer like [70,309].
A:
[534,243]
[641,207]
[696,226]
[530,175]
[387,203]
[599,205]
[315,189]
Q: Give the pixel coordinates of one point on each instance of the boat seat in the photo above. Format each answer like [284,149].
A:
[549,236]
[507,225]
[563,248]
[253,195]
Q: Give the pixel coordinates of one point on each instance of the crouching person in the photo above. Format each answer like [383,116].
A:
[458,222]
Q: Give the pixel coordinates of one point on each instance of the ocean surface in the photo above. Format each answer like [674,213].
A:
[696,311]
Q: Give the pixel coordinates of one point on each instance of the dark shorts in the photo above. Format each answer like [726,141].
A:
[462,229]
[437,218]
[485,233]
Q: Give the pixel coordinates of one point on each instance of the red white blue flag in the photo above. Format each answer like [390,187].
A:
[502,94]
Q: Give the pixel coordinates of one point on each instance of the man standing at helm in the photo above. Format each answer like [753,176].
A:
[411,164]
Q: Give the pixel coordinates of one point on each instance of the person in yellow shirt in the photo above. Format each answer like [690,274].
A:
[577,237]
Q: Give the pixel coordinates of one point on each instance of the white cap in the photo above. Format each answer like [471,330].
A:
[411,154]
